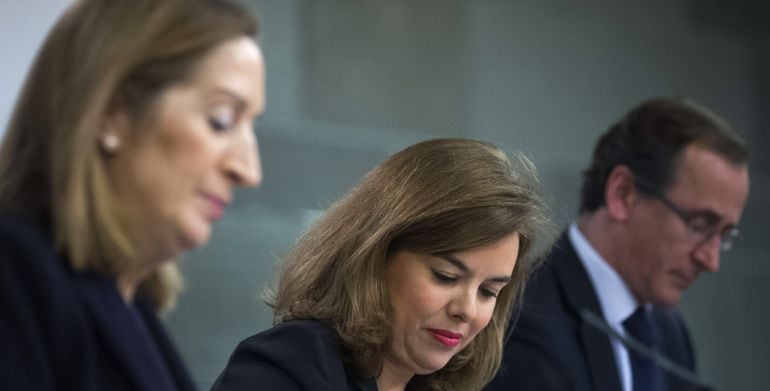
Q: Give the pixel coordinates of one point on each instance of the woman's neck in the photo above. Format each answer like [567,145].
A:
[392,378]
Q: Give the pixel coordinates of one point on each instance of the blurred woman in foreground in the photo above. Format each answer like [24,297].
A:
[133,127]
[407,282]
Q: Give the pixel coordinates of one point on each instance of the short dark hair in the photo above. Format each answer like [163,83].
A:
[649,140]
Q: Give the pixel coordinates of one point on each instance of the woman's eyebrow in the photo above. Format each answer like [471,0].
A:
[451,258]
[234,95]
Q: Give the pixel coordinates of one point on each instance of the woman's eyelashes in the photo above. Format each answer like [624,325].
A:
[222,119]
[220,124]
[448,279]
[487,293]
[443,277]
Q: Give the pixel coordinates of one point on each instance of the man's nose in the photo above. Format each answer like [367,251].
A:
[707,254]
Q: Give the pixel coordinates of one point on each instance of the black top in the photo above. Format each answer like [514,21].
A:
[553,348]
[67,330]
[295,355]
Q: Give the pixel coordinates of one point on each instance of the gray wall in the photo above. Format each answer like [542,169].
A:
[350,82]
[23,25]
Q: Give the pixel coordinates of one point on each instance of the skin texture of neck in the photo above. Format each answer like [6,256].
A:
[152,256]
[391,379]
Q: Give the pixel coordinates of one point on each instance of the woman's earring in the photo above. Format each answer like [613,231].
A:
[110,142]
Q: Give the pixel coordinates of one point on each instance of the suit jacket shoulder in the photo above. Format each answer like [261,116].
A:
[133,349]
[63,329]
[295,355]
[552,348]
[35,295]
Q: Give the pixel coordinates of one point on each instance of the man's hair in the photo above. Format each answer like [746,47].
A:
[649,140]
[99,55]
[435,197]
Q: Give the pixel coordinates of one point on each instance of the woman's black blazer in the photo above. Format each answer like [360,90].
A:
[67,330]
[292,356]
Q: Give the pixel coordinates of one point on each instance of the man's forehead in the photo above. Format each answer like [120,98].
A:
[706,180]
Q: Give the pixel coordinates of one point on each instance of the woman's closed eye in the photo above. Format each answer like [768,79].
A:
[443,277]
[222,119]
[487,293]
[219,124]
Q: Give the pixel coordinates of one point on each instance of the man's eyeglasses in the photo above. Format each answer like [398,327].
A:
[701,226]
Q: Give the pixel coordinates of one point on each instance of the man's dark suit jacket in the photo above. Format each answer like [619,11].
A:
[552,348]
[66,330]
[292,356]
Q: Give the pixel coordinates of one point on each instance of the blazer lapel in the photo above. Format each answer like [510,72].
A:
[119,334]
[580,295]
[166,348]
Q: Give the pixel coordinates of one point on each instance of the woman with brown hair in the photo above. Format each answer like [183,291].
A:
[132,129]
[407,282]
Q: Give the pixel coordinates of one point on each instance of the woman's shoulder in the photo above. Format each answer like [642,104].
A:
[18,232]
[294,355]
[299,333]
[36,293]
[28,257]
[295,342]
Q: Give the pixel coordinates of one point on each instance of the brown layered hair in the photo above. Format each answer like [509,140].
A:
[101,55]
[438,196]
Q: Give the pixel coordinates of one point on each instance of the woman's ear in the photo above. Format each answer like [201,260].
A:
[114,131]
[620,193]
[110,142]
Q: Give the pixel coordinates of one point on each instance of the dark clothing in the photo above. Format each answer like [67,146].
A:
[645,373]
[67,330]
[295,355]
[552,348]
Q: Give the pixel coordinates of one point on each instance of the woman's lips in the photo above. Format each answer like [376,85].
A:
[446,337]
[217,205]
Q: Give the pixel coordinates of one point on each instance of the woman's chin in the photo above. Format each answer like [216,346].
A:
[195,237]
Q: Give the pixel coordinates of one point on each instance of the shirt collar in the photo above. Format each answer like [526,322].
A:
[615,297]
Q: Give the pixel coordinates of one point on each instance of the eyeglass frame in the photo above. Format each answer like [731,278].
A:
[727,237]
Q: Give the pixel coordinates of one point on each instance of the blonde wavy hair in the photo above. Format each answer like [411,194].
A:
[438,196]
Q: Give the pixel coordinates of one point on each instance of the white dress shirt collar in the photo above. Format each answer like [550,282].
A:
[615,297]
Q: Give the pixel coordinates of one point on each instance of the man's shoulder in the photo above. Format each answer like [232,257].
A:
[555,296]
[559,269]
[544,350]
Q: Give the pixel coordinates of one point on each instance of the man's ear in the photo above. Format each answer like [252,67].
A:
[620,193]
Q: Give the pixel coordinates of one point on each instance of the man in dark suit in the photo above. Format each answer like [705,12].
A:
[662,197]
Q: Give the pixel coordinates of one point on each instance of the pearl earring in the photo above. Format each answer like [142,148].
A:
[110,142]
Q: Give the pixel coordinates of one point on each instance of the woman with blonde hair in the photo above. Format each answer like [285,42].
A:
[407,282]
[132,129]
